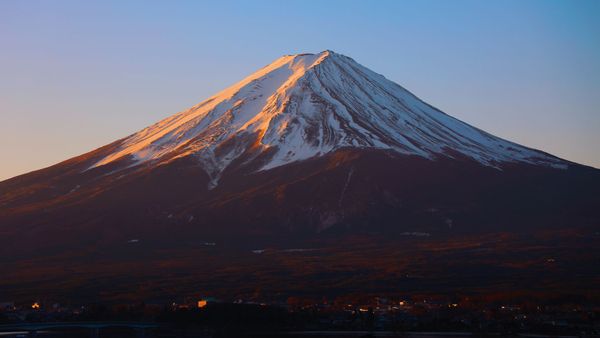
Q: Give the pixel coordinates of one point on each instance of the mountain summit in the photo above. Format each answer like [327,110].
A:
[308,105]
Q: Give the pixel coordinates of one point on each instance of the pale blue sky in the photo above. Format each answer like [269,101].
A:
[75,75]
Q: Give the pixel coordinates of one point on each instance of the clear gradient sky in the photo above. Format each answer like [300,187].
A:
[75,75]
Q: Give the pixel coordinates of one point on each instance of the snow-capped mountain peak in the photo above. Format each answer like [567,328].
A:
[306,105]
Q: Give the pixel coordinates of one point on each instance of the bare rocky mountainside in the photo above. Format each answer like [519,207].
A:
[313,153]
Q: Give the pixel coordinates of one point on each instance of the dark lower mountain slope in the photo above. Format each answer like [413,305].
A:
[347,191]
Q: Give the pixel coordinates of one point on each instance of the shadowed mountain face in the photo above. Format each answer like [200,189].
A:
[313,150]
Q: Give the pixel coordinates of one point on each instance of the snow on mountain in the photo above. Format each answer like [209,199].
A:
[307,105]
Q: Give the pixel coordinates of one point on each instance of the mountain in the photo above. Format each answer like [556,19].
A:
[313,148]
